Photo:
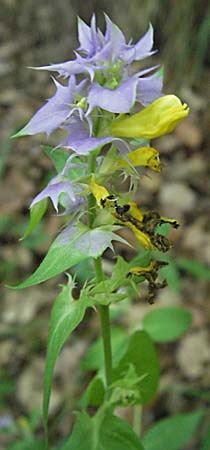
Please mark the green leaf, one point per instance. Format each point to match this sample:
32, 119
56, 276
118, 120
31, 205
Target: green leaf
126, 391
142, 259
160, 73
82, 435
142, 355
59, 159
116, 434
119, 273
118, 278
171, 274
73, 245
172, 433
94, 394
195, 268
206, 441
140, 142
94, 359
83, 271
66, 315
167, 324
57, 156
102, 432
200, 393
20, 133
36, 213
163, 229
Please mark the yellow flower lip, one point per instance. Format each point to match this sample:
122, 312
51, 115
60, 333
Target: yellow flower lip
160, 117
99, 192
143, 156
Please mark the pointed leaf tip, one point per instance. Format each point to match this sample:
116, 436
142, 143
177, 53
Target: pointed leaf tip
20, 133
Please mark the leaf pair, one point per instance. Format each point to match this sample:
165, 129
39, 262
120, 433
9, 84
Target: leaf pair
102, 432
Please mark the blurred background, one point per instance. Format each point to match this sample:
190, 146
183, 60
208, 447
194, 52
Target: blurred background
34, 33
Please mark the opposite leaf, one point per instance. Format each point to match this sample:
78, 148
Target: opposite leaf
57, 156
94, 394
172, 433
73, 245
66, 315
167, 324
102, 432
36, 213
142, 355
94, 359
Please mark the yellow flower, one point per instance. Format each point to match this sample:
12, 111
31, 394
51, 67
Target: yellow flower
160, 117
99, 192
150, 273
144, 224
135, 211
151, 269
143, 238
143, 156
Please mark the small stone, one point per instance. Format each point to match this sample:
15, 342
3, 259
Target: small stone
187, 169
189, 134
194, 238
193, 355
167, 144
21, 308
151, 183
196, 102
30, 386
7, 348
177, 199
166, 297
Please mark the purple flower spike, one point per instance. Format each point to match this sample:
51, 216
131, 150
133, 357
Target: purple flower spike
111, 87
98, 51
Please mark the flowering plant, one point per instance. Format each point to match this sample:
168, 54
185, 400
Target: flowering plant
104, 138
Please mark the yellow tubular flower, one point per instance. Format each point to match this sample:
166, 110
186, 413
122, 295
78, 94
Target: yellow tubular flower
135, 211
143, 156
150, 273
152, 268
99, 192
160, 117
143, 238
143, 224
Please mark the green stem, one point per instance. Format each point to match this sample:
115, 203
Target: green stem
102, 309
105, 327
106, 336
